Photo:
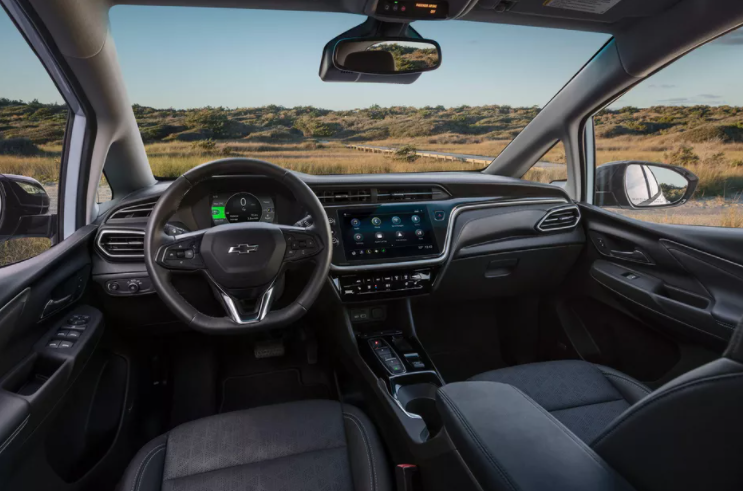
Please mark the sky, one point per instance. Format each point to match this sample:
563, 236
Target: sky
194, 57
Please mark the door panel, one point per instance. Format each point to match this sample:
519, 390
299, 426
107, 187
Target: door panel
650, 299
688, 279
36, 300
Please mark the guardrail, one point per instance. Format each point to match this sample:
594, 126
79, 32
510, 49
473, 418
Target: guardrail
475, 159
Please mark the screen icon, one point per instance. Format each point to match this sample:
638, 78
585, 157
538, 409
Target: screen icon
379, 235
416, 219
358, 237
399, 234
376, 221
396, 220
355, 222
419, 232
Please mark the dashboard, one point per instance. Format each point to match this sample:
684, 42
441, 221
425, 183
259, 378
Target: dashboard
455, 234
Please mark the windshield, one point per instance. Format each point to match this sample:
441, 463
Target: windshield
208, 83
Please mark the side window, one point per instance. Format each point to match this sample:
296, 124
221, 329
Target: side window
682, 131
33, 118
551, 168
104, 191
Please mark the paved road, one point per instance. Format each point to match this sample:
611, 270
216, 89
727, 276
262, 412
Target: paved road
475, 159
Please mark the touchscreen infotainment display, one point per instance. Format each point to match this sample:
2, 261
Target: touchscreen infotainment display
370, 234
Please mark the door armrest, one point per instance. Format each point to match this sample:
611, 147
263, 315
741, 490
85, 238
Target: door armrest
511, 443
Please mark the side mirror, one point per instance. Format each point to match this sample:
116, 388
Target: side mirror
386, 56
638, 185
24, 208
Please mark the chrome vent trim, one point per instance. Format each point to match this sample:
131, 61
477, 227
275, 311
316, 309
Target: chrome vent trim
561, 218
343, 196
121, 244
142, 210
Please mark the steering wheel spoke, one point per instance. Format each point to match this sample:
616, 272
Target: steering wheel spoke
301, 243
234, 306
183, 253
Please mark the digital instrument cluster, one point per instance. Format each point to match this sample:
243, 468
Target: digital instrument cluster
385, 233
242, 207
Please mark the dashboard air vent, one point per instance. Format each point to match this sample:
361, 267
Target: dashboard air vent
124, 244
559, 219
142, 210
385, 195
341, 196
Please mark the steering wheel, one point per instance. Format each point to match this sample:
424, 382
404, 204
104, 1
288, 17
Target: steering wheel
241, 261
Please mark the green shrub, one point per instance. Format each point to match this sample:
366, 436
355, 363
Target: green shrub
310, 126
210, 119
18, 146
205, 145
408, 153
683, 156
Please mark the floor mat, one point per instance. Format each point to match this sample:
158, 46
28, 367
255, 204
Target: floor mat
262, 389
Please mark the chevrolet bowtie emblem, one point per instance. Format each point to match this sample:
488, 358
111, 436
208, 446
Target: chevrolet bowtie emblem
243, 249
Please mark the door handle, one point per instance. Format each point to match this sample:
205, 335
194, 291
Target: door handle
53, 306
636, 255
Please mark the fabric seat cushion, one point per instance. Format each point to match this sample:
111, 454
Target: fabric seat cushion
309, 445
583, 396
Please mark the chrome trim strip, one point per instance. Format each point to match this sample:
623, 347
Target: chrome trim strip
258, 315
260, 312
113, 231
447, 240
557, 210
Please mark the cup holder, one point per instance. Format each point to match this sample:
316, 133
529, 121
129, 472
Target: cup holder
419, 399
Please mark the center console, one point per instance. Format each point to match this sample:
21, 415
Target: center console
387, 251
411, 378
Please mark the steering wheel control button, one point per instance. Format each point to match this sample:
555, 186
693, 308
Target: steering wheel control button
182, 255
439, 215
300, 246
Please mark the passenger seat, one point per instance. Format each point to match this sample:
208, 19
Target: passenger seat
582, 396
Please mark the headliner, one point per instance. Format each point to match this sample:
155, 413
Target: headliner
519, 12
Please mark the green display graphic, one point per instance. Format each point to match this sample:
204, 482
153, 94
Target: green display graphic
218, 213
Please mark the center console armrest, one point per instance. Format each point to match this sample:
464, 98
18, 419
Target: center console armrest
511, 443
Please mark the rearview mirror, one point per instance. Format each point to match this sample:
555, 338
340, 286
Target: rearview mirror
637, 185
386, 56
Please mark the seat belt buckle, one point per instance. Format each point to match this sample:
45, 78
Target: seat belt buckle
407, 477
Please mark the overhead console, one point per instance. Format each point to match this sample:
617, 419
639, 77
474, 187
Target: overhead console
408, 11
